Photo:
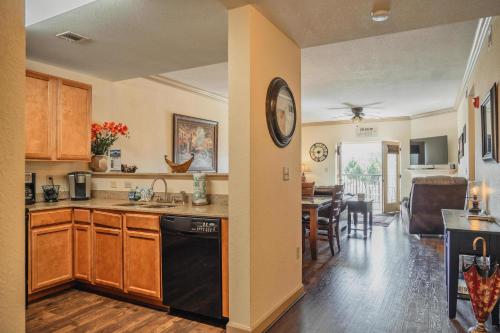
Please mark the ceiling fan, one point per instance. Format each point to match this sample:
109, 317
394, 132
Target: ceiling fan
357, 112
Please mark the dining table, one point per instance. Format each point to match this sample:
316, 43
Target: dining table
311, 206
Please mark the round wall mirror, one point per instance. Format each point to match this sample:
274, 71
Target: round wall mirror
280, 112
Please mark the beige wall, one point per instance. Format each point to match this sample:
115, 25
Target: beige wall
147, 108
485, 73
265, 269
324, 173
12, 64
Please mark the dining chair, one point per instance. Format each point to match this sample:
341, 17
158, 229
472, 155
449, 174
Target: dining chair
329, 224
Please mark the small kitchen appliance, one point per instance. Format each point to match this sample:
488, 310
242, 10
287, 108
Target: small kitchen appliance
79, 185
29, 188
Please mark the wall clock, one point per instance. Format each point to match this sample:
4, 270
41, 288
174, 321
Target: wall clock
318, 152
280, 112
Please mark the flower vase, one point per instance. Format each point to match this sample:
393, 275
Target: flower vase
99, 163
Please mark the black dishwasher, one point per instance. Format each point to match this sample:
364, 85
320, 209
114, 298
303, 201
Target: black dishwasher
191, 265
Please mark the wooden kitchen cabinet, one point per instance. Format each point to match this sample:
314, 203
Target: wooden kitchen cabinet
51, 255
73, 120
142, 255
107, 250
58, 118
39, 106
82, 243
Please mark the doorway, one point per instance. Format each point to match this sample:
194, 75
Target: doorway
391, 176
372, 168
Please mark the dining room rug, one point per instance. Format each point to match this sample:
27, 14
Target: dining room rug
384, 220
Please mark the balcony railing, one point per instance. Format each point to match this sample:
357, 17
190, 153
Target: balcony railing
371, 185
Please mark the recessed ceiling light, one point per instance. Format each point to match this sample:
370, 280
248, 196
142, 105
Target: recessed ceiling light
380, 15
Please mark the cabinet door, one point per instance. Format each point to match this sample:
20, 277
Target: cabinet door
39, 110
73, 120
83, 251
142, 263
51, 256
107, 257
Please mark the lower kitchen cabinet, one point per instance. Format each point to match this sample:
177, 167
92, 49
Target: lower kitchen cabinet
107, 257
142, 263
82, 251
51, 255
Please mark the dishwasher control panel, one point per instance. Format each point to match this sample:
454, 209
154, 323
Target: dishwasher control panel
204, 226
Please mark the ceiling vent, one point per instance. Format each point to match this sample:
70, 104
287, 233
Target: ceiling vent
72, 37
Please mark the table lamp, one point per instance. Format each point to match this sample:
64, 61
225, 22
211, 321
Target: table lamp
473, 196
305, 168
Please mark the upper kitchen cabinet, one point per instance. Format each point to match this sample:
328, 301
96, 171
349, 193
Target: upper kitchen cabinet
73, 120
58, 117
40, 103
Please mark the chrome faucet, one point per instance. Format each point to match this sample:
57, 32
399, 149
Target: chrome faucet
152, 189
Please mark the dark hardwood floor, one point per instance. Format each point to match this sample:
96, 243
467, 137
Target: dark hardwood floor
79, 311
391, 282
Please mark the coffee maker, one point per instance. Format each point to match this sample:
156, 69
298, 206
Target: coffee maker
29, 188
79, 185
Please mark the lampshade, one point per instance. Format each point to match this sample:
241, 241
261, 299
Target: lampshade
474, 189
305, 167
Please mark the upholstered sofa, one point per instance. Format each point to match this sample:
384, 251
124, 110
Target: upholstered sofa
421, 212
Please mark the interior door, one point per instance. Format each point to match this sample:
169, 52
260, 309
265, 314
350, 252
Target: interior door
391, 176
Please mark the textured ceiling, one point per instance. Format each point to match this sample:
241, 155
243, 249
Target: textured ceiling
37, 11
318, 22
132, 38
212, 78
409, 72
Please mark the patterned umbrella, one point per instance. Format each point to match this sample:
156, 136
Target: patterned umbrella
483, 284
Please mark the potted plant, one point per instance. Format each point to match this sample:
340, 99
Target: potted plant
103, 137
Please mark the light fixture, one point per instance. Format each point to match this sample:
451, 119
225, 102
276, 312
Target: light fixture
356, 119
380, 15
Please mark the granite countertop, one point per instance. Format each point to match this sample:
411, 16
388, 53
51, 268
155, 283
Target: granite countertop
212, 210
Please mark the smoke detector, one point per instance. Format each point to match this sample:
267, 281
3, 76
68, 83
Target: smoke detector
72, 37
380, 15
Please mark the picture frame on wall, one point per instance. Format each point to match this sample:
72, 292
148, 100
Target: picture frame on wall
195, 136
489, 125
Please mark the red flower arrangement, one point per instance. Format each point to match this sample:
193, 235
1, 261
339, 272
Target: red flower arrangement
105, 135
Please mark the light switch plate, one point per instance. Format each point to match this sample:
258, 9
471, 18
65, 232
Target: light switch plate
286, 174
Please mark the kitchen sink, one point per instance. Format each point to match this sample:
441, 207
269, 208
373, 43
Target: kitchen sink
159, 206
130, 204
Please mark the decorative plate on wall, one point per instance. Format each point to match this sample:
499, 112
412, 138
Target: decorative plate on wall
280, 112
318, 152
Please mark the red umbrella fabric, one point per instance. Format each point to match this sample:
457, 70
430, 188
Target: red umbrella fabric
484, 288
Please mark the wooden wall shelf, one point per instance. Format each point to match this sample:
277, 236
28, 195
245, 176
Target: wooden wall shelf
152, 175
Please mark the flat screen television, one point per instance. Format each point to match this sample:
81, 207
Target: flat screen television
429, 151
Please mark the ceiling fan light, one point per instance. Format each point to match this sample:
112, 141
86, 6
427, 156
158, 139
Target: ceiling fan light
356, 119
380, 15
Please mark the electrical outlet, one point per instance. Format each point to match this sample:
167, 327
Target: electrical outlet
127, 185
297, 254
113, 184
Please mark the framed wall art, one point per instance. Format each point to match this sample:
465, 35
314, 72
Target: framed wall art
489, 125
198, 137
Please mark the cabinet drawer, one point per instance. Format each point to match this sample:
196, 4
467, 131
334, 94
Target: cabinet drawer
39, 219
106, 219
81, 215
142, 221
